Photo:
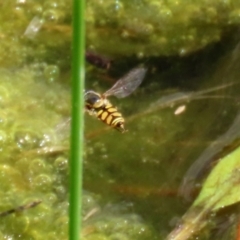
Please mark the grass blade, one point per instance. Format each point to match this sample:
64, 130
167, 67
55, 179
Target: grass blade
78, 52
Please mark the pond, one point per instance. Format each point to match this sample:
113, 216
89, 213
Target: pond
181, 120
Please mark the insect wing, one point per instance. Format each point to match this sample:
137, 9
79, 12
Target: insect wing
126, 85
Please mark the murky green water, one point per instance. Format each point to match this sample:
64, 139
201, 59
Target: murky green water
131, 180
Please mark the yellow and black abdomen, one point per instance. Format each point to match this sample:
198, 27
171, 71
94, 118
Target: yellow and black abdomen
110, 115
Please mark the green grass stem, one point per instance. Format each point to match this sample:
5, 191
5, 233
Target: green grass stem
78, 72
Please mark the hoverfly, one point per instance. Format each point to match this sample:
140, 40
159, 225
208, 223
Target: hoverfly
98, 104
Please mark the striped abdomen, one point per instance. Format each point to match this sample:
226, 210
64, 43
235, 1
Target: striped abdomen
110, 115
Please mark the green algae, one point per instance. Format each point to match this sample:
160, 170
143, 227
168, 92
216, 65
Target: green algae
156, 28
139, 28
26, 48
26, 178
35, 103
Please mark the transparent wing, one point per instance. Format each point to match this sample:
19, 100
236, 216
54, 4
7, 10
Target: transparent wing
127, 84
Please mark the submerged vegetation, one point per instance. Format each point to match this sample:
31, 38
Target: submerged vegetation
186, 113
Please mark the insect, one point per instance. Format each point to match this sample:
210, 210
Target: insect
98, 104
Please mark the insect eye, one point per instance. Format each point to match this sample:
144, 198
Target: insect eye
92, 98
